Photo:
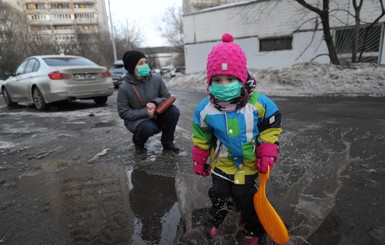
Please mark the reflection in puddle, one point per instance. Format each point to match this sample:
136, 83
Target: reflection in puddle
94, 207
113, 205
152, 199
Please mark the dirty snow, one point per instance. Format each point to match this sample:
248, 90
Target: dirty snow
306, 79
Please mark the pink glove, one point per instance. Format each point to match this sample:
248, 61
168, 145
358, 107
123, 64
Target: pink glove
267, 154
199, 158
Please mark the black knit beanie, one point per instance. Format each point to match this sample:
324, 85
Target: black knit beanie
130, 60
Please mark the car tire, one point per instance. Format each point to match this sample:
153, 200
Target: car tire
7, 98
38, 99
101, 100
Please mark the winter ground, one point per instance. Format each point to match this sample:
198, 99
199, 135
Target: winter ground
323, 218
307, 79
69, 175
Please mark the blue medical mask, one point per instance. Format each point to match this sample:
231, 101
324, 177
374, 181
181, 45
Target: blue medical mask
226, 92
144, 70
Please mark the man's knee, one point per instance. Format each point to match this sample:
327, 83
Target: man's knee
174, 111
147, 128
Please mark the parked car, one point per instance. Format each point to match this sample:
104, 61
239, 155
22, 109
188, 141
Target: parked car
44, 79
180, 69
170, 70
156, 71
117, 72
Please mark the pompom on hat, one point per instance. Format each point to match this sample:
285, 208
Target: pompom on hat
227, 58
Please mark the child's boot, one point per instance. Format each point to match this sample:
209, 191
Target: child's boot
213, 232
252, 240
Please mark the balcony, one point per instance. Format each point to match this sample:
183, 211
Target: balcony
202, 4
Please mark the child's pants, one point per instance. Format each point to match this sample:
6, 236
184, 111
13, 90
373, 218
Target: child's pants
242, 195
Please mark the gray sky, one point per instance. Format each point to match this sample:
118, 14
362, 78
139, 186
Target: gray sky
146, 13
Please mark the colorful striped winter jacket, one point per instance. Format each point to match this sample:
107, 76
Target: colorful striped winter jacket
232, 137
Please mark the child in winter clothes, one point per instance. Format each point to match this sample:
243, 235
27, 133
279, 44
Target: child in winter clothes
238, 128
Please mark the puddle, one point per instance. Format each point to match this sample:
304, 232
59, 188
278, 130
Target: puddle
97, 204
154, 205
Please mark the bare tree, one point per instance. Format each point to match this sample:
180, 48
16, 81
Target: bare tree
128, 37
172, 31
324, 16
13, 29
16, 41
357, 10
96, 47
172, 27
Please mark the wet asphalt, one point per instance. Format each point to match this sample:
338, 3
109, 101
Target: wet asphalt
70, 175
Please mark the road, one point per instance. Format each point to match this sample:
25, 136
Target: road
70, 175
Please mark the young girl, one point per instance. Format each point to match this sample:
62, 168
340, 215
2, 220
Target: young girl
238, 128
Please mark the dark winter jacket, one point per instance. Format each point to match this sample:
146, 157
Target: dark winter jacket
150, 88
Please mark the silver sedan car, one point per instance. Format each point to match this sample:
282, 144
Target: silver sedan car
44, 79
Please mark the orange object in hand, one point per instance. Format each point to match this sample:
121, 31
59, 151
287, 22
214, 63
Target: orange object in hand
164, 105
267, 215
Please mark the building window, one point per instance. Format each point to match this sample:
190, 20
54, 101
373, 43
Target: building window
85, 16
63, 27
275, 44
368, 40
83, 6
33, 6
45, 27
60, 5
38, 17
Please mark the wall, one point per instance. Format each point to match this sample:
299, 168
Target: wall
250, 21
196, 55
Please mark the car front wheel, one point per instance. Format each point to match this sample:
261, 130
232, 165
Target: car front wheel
38, 99
7, 98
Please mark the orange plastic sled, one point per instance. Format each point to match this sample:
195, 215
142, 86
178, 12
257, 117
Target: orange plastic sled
269, 218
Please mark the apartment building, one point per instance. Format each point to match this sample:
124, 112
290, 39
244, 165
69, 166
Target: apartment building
197, 5
63, 20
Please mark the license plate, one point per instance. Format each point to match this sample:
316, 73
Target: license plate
83, 77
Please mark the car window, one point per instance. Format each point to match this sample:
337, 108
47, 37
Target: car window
67, 61
118, 66
30, 66
21, 68
36, 66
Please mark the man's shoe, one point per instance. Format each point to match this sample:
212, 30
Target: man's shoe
140, 149
172, 147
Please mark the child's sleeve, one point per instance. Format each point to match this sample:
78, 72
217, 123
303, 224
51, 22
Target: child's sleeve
202, 135
269, 121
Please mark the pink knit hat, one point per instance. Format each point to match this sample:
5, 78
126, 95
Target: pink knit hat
227, 58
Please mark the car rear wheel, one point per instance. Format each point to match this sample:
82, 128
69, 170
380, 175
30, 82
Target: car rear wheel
7, 98
38, 99
101, 100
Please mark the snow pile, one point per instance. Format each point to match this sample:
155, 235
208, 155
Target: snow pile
307, 79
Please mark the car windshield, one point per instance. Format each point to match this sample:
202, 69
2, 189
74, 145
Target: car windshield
66, 61
118, 66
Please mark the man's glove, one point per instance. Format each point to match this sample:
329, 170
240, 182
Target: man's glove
199, 158
267, 154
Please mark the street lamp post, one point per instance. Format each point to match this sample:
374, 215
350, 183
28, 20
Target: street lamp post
112, 33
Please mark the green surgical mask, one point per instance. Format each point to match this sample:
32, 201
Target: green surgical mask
144, 70
226, 92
